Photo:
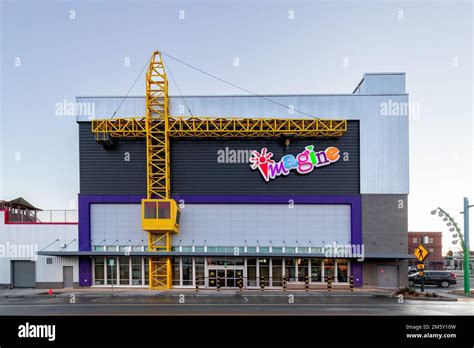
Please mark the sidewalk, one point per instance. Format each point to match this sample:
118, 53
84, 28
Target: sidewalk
146, 293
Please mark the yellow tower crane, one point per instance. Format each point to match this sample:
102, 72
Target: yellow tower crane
160, 213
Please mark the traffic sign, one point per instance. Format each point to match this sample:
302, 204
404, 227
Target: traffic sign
421, 266
421, 253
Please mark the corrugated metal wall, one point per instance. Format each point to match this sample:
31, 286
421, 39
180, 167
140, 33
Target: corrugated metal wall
224, 225
383, 135
31, 238
195, 168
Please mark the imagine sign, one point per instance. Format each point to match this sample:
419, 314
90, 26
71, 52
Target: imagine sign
304, 162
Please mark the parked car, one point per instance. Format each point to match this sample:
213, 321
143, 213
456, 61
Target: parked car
412, 269
440, 278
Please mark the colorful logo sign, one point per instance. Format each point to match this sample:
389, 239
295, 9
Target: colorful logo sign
304, 162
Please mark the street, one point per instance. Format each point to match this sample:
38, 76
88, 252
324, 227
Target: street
232, 305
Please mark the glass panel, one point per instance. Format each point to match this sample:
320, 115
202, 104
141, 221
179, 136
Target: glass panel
277, 249
199, 265
264, 265
264, 249
178, 216
316, 270
302, 249
230, 278
277, 267
111, 270
99, 274
136, 270
124, 270
290, 249
290, 269
251, 249
252, 272
187, 249
164, 210
302, 269
145, 262
187, 264
199, 249
99, 248
175, 270
212, 278
342, 270
150, 210
111, 247
328, 269
137, 248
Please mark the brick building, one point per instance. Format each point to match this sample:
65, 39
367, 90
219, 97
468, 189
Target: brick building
434, 244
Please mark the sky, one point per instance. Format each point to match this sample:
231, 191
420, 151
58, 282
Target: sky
53, 51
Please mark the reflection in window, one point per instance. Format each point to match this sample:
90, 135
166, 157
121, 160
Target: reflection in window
342, 270
302, 269
111, 270
136, 270
99, 272
124, 271
150, 210
164, 210
329, 268
290, 270
277, 269
175, 270
187, 264
252, 272
316, 270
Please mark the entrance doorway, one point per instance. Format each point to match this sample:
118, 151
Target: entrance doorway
225, 277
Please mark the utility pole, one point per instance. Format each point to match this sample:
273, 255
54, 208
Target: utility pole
467, 253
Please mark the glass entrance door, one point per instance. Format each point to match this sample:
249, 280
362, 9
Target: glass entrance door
227, 278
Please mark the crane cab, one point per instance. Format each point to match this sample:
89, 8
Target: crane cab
160, 215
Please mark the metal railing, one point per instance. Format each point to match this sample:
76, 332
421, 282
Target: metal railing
42, 216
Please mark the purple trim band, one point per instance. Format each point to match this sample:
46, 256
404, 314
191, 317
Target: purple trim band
85, 269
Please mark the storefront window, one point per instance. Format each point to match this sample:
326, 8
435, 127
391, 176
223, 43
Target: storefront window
316, 270
342, 270
302, 269
199, 265
252, 272
124, 269
329, 268
290, 270
111, 270
99, 273
277, 268
145, 263
264, 264
187, 265
136, 270
175, 270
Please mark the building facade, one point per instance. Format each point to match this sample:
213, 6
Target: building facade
433, 243
242, 222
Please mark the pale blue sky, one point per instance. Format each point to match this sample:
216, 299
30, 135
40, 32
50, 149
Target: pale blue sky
62, 58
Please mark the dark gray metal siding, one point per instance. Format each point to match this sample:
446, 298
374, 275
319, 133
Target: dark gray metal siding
106, 171
196, 171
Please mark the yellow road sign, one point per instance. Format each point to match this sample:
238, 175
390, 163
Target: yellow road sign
421, 266
421, 253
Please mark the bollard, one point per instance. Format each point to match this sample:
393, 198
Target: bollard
284, 283
262, 284
306, 283
241, 283
218, 283
351, 283
329, 282
197, 283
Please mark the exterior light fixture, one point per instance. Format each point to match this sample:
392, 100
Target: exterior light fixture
433, 212
448, 224
440, 214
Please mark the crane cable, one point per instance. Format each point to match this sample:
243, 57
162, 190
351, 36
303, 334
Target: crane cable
238, 87
133, 85
177, 87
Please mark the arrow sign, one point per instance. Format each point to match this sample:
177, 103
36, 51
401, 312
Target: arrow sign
421, 253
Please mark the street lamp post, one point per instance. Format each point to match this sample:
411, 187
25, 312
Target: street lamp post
467, 252
464, 240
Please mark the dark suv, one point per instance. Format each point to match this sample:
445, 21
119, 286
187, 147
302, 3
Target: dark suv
440, 278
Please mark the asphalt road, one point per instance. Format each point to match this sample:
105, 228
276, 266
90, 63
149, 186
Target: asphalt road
231, 305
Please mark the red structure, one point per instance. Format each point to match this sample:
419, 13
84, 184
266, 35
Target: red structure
434, 244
